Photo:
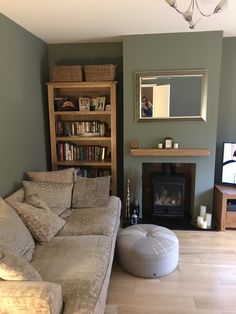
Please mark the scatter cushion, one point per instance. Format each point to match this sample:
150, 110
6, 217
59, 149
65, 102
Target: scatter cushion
40, 220
15, 197
35, 201
13, 267
56, 195
13, 233
91, 192
60, 176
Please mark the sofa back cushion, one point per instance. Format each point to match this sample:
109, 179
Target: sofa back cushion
13, 233
91, 192
56, 195
60, 176
14, 267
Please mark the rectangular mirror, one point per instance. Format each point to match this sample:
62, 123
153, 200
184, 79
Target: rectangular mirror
171, 95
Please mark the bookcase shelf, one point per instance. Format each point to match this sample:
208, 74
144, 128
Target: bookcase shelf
83, 138
102, 163
89, 145
83, 113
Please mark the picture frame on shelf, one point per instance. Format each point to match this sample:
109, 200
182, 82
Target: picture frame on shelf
108, 107
93, 104
84, 104
168, 143
65, 104
100, 105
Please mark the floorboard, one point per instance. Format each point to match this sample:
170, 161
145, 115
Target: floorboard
203, 283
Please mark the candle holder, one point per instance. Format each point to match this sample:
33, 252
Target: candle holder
194, 222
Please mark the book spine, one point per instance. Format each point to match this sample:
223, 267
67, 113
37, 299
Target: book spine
103, 153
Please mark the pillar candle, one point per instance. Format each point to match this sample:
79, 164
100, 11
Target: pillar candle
208, 219
203, 211
199, 220
204, 224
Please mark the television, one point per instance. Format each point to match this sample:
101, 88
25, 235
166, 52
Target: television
229, 164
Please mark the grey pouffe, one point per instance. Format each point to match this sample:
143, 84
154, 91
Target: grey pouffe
147, 250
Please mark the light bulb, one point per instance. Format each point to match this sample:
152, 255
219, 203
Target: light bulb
188, 16
172, 3
220, 6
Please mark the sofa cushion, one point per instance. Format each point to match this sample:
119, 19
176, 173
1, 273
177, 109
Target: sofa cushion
13, 233
91, 192
60, 176
30, 297
36, 201
41, 221
56, 195
66, 213
93, 221
13, 267
79, 265
16, 197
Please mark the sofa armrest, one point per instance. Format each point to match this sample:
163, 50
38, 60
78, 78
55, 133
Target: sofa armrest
30, 297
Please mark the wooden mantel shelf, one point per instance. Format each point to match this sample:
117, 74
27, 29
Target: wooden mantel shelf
180, 152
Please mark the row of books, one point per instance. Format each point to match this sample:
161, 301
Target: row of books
92, 173
72, 152
70, 128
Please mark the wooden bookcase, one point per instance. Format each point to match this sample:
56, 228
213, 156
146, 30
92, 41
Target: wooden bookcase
79, 90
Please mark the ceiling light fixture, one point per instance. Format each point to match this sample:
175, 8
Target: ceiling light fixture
194, 8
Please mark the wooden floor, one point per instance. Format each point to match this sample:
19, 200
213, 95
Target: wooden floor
203, 283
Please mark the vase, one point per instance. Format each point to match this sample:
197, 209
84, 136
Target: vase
134, 206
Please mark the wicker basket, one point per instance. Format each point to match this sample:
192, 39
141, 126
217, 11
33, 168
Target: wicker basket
96, 73
63, 73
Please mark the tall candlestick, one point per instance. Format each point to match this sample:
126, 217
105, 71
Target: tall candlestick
127, 203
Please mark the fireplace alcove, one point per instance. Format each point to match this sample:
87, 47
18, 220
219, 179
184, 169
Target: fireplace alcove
168, 191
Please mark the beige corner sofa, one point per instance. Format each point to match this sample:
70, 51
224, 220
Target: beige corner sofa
75, 265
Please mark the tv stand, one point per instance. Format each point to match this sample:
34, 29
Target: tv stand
223, 215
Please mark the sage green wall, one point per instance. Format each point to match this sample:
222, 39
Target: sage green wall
227, 101
85, 53
23, 64
174, 51
96, 53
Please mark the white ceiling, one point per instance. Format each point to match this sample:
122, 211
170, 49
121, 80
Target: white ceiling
69, 21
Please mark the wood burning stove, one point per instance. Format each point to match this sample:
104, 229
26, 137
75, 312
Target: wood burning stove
169, 193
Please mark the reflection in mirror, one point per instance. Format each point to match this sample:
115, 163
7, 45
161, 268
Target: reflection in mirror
169, 95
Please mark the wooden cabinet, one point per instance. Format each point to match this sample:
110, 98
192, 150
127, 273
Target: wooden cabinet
107, 141
223, 217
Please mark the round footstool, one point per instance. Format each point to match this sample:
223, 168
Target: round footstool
147, 250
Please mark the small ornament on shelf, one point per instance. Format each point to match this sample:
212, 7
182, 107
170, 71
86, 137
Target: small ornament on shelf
134, 144
168, 143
